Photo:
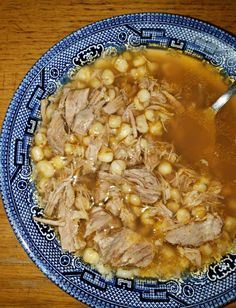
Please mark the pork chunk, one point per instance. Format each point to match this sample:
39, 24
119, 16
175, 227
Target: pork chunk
114, 105
125, 248
82, 121
99, 220
76, 101
63, 193
74, 107
193, 255
68, 231
93, 149
196, 233
145, 182
56, 133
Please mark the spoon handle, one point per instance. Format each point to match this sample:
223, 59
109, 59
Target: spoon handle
223, 99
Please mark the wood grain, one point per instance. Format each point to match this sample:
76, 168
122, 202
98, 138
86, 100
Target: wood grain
27, 29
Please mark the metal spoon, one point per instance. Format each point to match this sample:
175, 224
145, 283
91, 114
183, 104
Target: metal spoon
194, 131
223, 99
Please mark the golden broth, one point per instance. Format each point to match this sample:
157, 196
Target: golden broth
196, 85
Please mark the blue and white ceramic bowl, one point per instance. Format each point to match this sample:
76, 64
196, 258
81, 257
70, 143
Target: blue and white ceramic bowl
213, 288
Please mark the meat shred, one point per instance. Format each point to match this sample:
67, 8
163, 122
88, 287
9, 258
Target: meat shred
113, 185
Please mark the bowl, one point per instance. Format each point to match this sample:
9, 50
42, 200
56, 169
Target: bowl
212, 288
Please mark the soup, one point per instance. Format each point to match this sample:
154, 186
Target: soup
123, 189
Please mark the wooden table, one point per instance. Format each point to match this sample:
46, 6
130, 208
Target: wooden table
27, 29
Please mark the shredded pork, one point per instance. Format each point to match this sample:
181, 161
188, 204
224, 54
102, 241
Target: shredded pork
196, 233
117, 190
125, 248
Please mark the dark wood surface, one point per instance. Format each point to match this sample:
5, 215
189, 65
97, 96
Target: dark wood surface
27, 29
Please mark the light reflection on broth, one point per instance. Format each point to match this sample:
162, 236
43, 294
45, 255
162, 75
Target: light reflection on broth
207, 83
123, 196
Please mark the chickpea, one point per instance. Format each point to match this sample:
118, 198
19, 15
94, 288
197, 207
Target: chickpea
141, 71
124, 273
113, 141
86, 140
126, 188
69, 148
37, 153
100, 63
199, 211
79, 151
172, 206
127, 55
138, 105
118, 166
105, 155
139, 60
143, 143
129, 140
144, 95
155, 128
137, 210
175, 194
91, 256
114, 121
165, 168
134, 73
134, 199
84, 74
96, 129
146, 217
111, 94
121, 65
124, 131
108, 77
47, 152
126, 198
95, 83
160, 226
58, 162
142, 125
114, 131
150, 115
205, 180
42, 130
40, 139
183, 216
72, 138
199, 186
45, 168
